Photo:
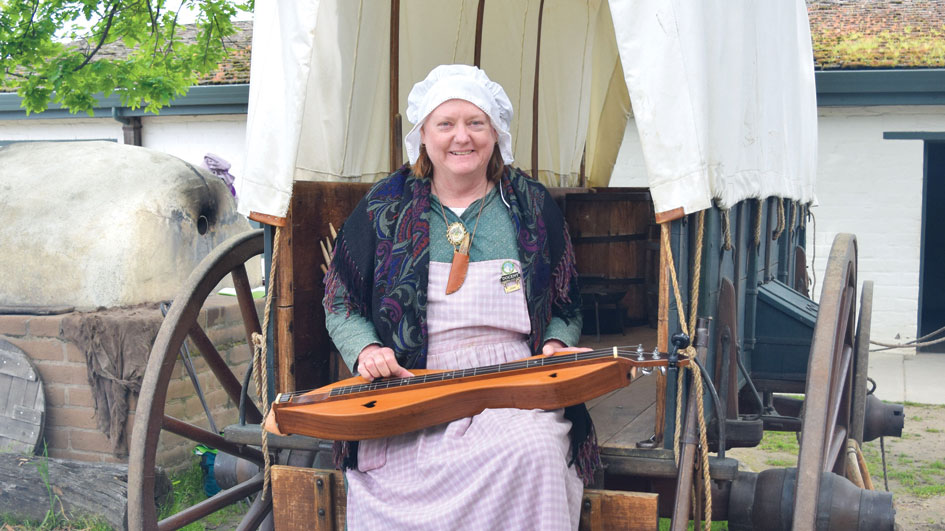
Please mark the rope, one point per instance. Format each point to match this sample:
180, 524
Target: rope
726, 230
795, 206
758, 225
916, 343
882, 451
813, 259
696, 272
690, 351
781, 224
260, 364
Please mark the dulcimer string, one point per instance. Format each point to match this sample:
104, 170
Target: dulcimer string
388, 383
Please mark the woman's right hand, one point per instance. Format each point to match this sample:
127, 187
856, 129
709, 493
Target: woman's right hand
376, 361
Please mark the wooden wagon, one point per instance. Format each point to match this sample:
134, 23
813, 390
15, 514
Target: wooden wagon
719, 232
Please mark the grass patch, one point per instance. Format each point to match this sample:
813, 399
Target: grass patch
665, 524
188, 491
83, 523
917, 404
928, 491
780, 441
933, 430
781, 463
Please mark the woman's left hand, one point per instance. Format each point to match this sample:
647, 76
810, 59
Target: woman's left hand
553, 346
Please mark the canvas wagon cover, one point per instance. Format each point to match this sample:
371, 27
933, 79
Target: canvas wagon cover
722, 91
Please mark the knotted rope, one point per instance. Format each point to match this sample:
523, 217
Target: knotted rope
690, 351
260, 360
726, 229
758, 224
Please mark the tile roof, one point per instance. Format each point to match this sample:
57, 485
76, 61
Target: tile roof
234, 70
863, 34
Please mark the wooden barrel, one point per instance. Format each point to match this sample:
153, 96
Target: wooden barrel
611, 229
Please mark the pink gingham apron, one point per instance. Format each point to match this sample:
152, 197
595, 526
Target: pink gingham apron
501, 469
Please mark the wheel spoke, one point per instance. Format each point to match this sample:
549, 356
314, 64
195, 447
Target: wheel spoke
258, 512
837, 402
244, 294
213, 504
200, 435
835, 449
223, 373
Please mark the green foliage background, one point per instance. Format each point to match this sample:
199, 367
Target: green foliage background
49, 49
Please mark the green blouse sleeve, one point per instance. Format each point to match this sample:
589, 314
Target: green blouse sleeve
350, 332
567, 332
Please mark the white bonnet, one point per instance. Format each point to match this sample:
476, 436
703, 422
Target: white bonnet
463, 82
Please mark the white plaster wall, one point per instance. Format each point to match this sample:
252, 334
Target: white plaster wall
61, 129
186, 137
872, 187
866, 185
191, 137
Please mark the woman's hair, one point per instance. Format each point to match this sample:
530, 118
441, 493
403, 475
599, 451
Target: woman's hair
424, 166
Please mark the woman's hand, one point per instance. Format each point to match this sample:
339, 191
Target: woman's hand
553, 346
376, 361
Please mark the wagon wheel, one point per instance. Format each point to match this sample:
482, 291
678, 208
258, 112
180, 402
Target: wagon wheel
829, 393
229, 258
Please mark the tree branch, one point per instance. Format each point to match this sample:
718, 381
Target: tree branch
101, 41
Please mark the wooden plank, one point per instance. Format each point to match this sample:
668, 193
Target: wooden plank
16, 435
610, 509
17, 391
615, 413
27, 415
13, 363
324, 507
639, 429
296, 498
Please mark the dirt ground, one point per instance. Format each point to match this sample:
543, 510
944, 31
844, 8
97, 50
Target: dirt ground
915, 465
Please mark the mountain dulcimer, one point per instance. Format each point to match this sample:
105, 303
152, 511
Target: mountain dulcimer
356, 409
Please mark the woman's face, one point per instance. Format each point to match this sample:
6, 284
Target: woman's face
459, 140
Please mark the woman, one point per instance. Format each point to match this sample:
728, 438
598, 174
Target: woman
460, 261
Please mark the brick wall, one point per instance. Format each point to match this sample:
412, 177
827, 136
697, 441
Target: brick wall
71, 430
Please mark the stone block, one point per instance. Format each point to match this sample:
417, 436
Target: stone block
73, 353
13, 325
63, 373
41, 348
55, 437
71, 417
55, 394
90, 441
45, 326
80, 396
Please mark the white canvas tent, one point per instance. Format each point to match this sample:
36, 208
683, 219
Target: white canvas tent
722, 91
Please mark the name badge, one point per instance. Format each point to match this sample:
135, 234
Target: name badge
511, 279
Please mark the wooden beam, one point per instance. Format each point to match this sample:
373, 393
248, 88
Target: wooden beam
534, 172
477, 54
396, 132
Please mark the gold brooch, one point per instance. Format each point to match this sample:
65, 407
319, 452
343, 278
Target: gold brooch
456, 233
